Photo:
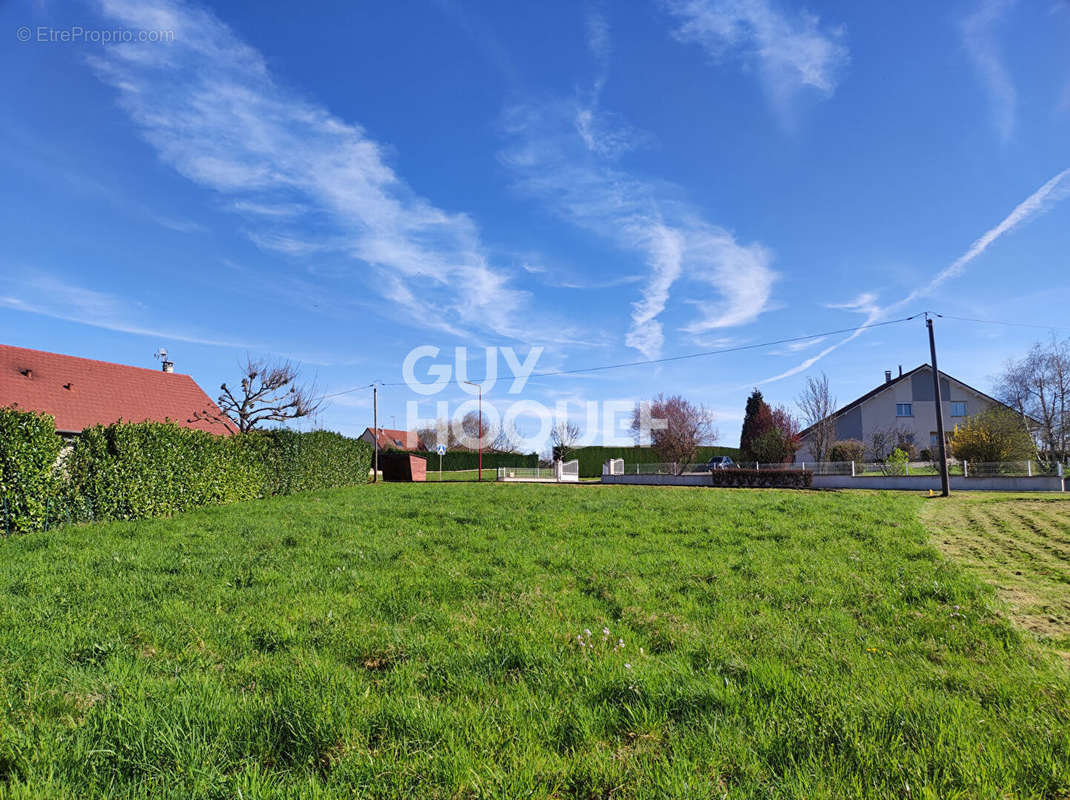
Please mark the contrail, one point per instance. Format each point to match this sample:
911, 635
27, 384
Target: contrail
1041, 201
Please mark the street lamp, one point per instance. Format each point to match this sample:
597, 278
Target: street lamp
480, 387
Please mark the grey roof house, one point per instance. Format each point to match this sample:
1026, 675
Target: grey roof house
905, 403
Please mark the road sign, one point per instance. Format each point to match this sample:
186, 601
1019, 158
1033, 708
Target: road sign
441, 449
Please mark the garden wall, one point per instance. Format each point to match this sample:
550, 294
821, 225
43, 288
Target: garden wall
922, 483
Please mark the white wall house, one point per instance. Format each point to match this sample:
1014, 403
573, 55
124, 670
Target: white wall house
905, 403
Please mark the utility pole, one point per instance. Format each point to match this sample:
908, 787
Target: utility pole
375, 432
480, 387
945, 481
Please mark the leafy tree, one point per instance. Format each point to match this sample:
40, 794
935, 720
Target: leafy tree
779, 444
757, 420
996, 434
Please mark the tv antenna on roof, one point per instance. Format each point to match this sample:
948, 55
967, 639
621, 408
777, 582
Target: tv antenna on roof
161, 356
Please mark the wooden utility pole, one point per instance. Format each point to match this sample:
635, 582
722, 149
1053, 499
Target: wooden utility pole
945, 480
375, 432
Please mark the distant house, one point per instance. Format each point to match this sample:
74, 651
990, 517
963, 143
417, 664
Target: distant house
393, 440
905, 403
81, 392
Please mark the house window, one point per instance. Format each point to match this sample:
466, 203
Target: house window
958, 408
934, 439
904, 409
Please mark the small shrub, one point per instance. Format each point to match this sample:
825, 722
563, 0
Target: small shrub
847, 450
896, 463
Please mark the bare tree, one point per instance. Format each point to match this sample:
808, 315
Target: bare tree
817, 406
563, 438
505, 440
1038, 387
679, 428
268, 392
883, 441
440, 433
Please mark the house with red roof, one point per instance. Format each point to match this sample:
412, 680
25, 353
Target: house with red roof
81, 392
390, 439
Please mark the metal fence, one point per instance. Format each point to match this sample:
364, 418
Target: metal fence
969, 469
538, 473
865, 468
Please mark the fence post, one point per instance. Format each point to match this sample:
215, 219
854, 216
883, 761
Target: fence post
908, 468
1059, 469
756, 468
852, 469
1029, 467
965, 469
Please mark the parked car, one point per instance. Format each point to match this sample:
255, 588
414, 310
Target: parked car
720, 462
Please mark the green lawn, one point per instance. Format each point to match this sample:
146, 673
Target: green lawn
1021, 545
434, 475
413, 641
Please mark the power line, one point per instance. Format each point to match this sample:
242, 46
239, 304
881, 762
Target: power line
1010, 324
668, 359
723, 350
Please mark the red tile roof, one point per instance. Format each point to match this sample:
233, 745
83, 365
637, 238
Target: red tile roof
80, 392
390, 439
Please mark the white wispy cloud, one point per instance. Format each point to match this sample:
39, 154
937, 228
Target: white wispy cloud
792, 52
552, 163
979, 38
565, 154
1039, 202
210, 107
44, 294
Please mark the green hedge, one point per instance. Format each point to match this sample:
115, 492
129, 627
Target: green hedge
29, 448
467, 459
592, 458
146, 469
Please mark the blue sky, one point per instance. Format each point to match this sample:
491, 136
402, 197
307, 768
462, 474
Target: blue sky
609, 181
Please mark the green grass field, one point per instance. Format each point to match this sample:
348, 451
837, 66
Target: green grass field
417, 641
433, 475
1019, 544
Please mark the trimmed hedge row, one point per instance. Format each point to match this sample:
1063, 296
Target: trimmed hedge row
468, 459
592, 458
146, 469
763, 479
29, 448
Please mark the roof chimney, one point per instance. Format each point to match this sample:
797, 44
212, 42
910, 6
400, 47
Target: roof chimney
887, 376
27, 372
168, 366
900, 370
